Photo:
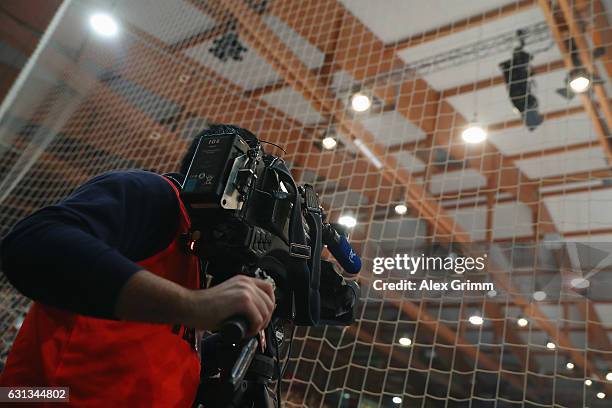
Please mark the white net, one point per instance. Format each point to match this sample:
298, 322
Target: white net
535, 201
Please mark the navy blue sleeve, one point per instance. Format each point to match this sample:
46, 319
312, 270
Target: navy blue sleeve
78, 254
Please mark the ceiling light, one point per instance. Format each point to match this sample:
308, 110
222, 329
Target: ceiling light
551, 346
103, 24
405, 341
601, 395
579, 81
347, 220
329, 143
476, 320
474, 133
570, 366
368, 153
492, 293
397, 400
609, 376
360, 102
522, 322
588, 382
539, 295
401, 209
580, 283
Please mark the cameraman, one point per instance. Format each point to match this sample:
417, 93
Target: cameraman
117, 293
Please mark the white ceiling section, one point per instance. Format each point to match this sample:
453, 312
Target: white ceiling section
452, 181
390, 128
552, 133
410, 162
563, 163
253, 71
293, 104
512, 219
509, 220
394, 20
484, 67
158, 18
581, 211
472, 219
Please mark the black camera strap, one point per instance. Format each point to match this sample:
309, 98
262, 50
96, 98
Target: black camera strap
305, 258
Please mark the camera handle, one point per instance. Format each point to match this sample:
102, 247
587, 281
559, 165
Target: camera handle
234, 329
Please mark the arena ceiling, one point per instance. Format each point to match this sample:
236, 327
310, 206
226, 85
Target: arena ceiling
304, 61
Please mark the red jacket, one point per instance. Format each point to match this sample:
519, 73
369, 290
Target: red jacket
108, 363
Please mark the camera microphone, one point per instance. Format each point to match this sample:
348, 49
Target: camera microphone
341, 249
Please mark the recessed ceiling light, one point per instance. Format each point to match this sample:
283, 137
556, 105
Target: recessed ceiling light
476, 320
360, 102
348, 221
601, 395
539, 295
492, 293
580, 283
329, 143
570, 366
103, 24
405, 341
579, 80
401, 209
609, 376
522, 322
588, 382
474, 133
551, 346
397, 400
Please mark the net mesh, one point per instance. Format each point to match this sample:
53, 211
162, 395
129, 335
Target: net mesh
535, 201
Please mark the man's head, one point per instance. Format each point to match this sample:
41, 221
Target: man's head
215, 129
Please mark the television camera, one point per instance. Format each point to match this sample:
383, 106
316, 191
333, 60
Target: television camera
250, 217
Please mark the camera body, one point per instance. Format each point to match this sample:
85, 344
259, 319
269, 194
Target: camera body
248, 214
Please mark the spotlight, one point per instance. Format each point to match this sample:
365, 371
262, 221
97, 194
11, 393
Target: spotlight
609, 376
474, 133
397, 400
601, 395
522, 322
360, 102
539, 295
405, 341
103, 24
329, 143
517, 76
348, 221
401, 209
550, 345
588, 382
570, 366
579, 80
476, 320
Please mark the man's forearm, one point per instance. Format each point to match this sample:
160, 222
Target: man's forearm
146, 297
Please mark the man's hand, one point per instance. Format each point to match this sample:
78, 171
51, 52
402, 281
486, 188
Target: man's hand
241, 295
149, 298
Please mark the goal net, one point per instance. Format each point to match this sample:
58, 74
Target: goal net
442, 133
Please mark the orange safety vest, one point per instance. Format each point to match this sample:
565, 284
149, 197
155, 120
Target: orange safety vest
108, 363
